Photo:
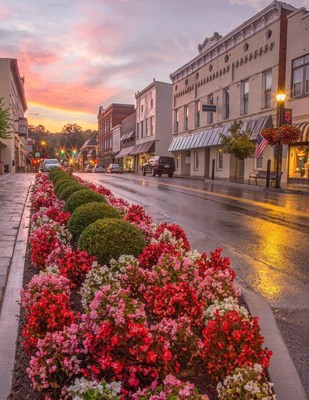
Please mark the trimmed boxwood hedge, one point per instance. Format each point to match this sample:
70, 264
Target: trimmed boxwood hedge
65, 192
110, 238
63, 183
87, 214
82, 197
56, 174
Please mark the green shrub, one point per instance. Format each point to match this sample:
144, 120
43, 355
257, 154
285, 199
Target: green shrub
54, 172
110, 238
55, 175
81, 197
63, 183
65, 192
87, 214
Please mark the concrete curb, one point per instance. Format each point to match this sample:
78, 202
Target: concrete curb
11, 309
282, 371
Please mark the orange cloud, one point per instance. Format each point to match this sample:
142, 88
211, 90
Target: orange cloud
54, 119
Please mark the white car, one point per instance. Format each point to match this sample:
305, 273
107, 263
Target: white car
50, 163
98, 168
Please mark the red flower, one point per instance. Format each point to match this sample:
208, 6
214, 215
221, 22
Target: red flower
284, 134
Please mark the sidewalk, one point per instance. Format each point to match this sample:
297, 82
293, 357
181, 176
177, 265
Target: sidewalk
14, 224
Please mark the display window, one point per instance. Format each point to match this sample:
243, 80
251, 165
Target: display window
299, 161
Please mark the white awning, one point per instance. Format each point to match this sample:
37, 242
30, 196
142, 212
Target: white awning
211, 137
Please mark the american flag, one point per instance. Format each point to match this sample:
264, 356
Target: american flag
261, 143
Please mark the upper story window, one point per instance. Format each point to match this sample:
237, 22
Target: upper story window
244, 97
226, 103
210, 115
151, 103
267, 82
152, 125
186, 117
300, 76
197, 113
176, 121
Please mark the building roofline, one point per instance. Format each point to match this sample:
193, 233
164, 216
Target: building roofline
103, 110
153, 83
19, 82
275, 5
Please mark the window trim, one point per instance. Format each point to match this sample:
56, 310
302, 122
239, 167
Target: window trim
267, 91
226, 104
220, 160
244, 110
300, 63
195, 160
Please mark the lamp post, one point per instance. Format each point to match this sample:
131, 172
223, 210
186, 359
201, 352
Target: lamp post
278, 148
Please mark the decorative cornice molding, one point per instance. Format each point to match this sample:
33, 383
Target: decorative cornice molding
216, 45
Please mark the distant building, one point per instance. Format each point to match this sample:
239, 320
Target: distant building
235, 77
127, 143
153, 122
88, 153
297, 89
12, 151
108, 118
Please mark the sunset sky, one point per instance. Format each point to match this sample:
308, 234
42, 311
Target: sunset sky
78, 55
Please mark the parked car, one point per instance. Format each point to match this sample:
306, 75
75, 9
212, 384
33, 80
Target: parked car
49, 163
114, 168
88, 168
99, 168
159, 165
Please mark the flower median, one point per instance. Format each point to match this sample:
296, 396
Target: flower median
143, 323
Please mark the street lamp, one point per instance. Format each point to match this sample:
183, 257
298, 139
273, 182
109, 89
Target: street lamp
278, 148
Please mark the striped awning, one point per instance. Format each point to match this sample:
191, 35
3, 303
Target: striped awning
125, 152
147, 147
304, 127
211, 137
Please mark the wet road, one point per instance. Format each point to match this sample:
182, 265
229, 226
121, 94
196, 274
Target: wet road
265, 234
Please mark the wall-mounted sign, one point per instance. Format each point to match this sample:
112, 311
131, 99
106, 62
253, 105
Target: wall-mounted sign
23, 127
209, 107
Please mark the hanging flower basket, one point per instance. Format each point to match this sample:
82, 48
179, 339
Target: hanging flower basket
284, 134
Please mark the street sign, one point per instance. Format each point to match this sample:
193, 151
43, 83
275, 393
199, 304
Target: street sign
23, 127
209, 107
37, 154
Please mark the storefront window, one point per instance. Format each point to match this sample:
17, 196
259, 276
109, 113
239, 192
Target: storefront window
299, 162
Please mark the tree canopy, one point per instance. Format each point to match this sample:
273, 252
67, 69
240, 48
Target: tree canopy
238, 143
4, 121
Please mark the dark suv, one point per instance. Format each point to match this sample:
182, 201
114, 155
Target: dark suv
159, 165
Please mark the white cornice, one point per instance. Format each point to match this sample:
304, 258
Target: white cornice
220, 46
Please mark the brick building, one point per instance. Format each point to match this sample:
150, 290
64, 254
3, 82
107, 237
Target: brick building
109, 118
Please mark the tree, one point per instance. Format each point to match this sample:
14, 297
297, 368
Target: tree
4, 121
238, 143
72, 136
